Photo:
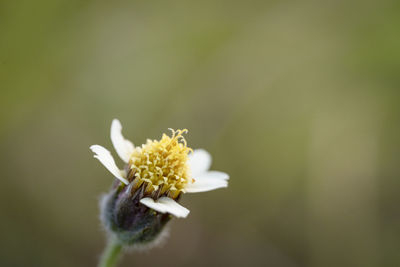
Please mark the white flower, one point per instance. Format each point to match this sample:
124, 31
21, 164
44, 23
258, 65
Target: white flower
163, 169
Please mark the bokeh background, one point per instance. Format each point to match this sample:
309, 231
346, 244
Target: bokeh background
297, 100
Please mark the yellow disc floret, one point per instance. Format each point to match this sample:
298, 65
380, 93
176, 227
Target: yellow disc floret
161, 166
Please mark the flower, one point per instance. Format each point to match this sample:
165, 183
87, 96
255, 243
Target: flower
154, 178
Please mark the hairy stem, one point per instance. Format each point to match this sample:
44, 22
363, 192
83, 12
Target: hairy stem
111, 254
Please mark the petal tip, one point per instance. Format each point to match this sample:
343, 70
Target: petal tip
116, 122
123, 146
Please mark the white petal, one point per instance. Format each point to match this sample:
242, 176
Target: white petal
199, 162
166, 205
149, 202
173, 207
212, 175
205, 184
105, 157
123, 147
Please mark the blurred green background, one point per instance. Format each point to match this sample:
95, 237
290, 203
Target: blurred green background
297, 100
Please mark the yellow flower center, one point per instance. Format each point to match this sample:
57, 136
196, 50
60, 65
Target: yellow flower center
161, 166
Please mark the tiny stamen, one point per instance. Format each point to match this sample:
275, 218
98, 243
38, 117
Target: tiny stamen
161, 166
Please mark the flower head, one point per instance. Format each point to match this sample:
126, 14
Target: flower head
150, 185
161, 165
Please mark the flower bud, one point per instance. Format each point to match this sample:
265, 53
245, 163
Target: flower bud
127, 219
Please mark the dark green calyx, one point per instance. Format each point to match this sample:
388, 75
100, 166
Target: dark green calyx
130, 221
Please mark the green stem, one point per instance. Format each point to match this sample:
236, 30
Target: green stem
111, 253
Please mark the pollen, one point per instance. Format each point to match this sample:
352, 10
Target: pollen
160, 167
